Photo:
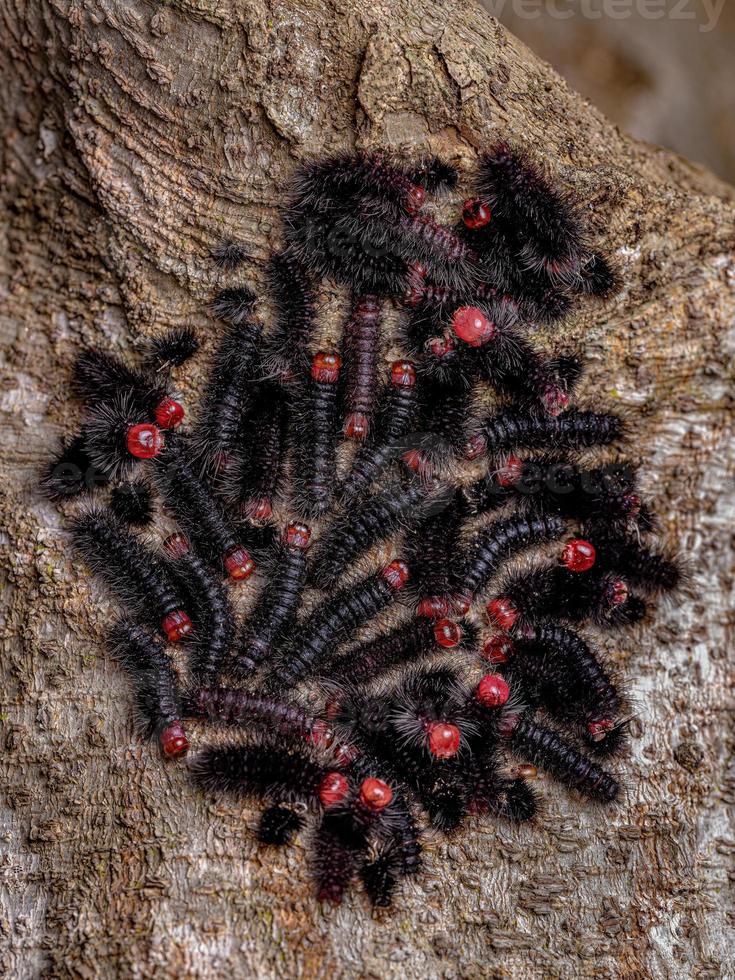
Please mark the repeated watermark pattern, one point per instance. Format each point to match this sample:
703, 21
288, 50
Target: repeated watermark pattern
537, 478
704, 13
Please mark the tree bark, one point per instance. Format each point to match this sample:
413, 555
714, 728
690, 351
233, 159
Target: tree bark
137, 135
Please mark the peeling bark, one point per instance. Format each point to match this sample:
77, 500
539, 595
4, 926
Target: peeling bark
137, 135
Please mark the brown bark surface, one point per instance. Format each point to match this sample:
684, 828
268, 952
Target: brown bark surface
136, 136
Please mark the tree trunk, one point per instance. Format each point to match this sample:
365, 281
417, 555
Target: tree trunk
137, 136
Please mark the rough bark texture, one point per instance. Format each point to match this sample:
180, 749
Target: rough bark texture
137, 135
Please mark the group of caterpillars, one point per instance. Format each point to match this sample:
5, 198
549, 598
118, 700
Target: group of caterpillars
424, 672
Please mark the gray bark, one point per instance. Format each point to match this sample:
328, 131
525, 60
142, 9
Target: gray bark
137, 136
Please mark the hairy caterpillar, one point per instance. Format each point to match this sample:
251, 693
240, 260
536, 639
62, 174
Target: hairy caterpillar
229, 255
550, 751
336, 619
488, 548
292, 291
264, 769
132, 503
522, 429
318, 435
360, 352
571, 683
553, 591
403, 645
253, 479
430, 549
211, 606
171, 349
117, 435
157, 698
199, 513
229, 392
545, 221
396, 418
351, 536
556, 484
131, 571
278, 605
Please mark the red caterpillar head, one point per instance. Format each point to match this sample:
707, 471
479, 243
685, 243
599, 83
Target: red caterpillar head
472, 326
325, 367
375, 795
617, 592
320, 734
447, 634
510, 472
396, 574
502, 612
402, 374
497, 649
415, 199
443, 739
176, 625
492, 691
356, 425
297, 536
333, 789
419, 463
416, 275
169, 413
238, 563
578, 555
173, 740
434, 607
476, 213
599, 728
259, 509
462, 603
144, 441
555, 400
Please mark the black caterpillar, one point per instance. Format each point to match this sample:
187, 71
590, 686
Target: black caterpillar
210, 603
229, 393
133, 572
397, 416
406, 644
352, 698
360, 355
157, 695
336, 620
277, 608
317, 435
380, 516
198, 512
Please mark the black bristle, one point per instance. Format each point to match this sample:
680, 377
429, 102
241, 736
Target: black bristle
132, 503
233, 305
228, 255
171, 349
